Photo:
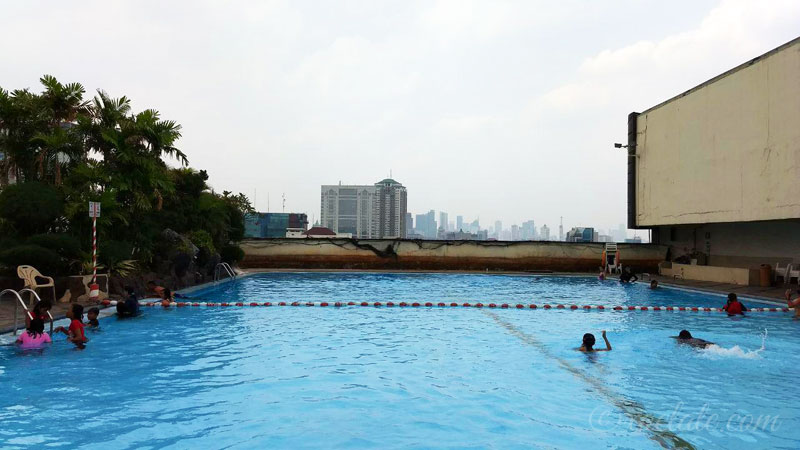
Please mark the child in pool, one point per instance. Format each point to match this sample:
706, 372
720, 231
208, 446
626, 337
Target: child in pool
166, 298
588, 344
734, 306
34, 336
41, 310
91, 317
793, 303
685, 337
75, 333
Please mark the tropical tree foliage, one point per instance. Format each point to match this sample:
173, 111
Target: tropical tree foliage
59, 150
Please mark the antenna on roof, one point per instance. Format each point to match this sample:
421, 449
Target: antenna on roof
283, 206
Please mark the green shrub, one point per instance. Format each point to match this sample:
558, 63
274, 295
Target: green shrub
43, 259
202, 239
31, 207
231, 253
67, 246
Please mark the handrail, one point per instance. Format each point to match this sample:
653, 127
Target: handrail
16, 294
228, 269
38, 299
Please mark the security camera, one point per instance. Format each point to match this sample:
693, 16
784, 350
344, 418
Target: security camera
617, 145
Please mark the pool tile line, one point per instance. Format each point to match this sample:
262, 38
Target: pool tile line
631, 408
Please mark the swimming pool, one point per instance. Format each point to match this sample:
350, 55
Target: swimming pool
289, 377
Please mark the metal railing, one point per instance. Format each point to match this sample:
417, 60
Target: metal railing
20, 302
228, 269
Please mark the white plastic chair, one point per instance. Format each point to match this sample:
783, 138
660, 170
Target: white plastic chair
781, 272
791, 273
31, 277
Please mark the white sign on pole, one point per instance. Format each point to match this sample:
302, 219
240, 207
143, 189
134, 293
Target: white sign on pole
94, 209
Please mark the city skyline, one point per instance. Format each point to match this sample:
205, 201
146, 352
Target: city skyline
406, 89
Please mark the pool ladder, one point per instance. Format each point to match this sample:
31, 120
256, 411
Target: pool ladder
19, 303
228, 270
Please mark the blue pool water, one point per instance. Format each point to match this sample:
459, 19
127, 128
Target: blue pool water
283, 377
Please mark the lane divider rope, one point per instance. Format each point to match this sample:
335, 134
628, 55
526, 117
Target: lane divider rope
390, 304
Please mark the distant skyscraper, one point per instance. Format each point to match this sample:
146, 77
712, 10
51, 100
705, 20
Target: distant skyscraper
528, 231
459, 223
443, 222
426, 225
545, 233
366, 212
349, 209
409, 224
515, 234
474, 227
561, 230
498, 229
390, 209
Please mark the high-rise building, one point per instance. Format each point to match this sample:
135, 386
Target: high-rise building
349, 209
498, 229
365, 211
390, 209
515, 234
561, 230
426, 225
544, 234
528, 231
459, 223
443, 222
409, 224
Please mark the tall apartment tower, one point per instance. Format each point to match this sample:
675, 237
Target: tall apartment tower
443, 221
390, 209
348, 209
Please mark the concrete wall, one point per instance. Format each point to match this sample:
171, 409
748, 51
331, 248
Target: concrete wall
746, 244
441, 255
725, 151
730, 275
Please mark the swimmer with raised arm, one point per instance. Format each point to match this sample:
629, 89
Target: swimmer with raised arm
684, 337
588, 344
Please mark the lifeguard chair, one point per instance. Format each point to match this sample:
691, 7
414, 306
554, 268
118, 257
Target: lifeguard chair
611, 262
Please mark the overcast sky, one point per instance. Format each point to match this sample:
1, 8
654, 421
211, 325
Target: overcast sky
490, 109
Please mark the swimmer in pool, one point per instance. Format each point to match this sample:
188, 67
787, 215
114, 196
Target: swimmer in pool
588, 344
793, 303
734, 306
653, 284
166, 298
684, 337
602, 275
627, 276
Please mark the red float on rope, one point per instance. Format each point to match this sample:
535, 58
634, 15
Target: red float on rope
415, 304
267, 304
587, 307
479, 305
337, 304
560, 307
453, 304
376, 304
644, 308
323, 304
520, 306
618, 308
466, 305
573, 307
504, 305
403, 304
106, 302
695, 309
282, 304
195, 304
631, 308
351, 303
428, 304
547, 306
389, 304
440, 304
